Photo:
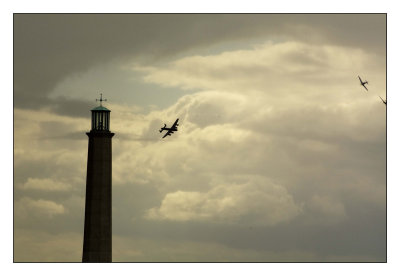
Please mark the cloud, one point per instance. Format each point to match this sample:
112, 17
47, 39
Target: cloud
129, 249
26, 207
252, 139
71, 44
326, 207
45, 184
272, 66
264, 203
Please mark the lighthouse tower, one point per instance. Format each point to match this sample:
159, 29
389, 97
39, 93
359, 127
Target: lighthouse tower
97, 233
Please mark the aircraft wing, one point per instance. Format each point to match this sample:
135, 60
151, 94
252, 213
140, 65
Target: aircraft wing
176, 122
168, 133
360, 79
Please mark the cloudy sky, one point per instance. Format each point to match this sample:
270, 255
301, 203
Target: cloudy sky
280, 154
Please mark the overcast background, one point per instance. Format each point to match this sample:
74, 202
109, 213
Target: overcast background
280, 154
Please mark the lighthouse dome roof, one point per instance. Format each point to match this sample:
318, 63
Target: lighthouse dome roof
100, 108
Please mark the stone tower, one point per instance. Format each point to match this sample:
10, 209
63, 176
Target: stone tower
97, 234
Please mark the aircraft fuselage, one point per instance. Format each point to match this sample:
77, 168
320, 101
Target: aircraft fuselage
168, 128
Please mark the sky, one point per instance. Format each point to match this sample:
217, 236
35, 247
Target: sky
280, 154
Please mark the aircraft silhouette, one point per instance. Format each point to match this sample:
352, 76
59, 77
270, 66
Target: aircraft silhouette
382, 100
170, 130
363, 83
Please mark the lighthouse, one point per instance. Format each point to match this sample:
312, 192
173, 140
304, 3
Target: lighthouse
97, 242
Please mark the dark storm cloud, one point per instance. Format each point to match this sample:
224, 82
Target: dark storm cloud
50, 47
70, 107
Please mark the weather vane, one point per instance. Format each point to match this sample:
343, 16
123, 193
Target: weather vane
101, 99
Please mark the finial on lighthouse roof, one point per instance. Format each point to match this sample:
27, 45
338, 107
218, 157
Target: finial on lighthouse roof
101, 99
101, 107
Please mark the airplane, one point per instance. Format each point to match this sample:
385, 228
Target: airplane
382, 100
171, 129
363, 83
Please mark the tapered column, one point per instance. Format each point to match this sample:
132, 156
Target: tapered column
97, 243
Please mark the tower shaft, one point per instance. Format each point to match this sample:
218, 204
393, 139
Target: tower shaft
97, 243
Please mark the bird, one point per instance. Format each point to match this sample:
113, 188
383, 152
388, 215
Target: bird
363, 83
382, 100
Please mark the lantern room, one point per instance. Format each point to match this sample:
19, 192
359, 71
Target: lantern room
100, 119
